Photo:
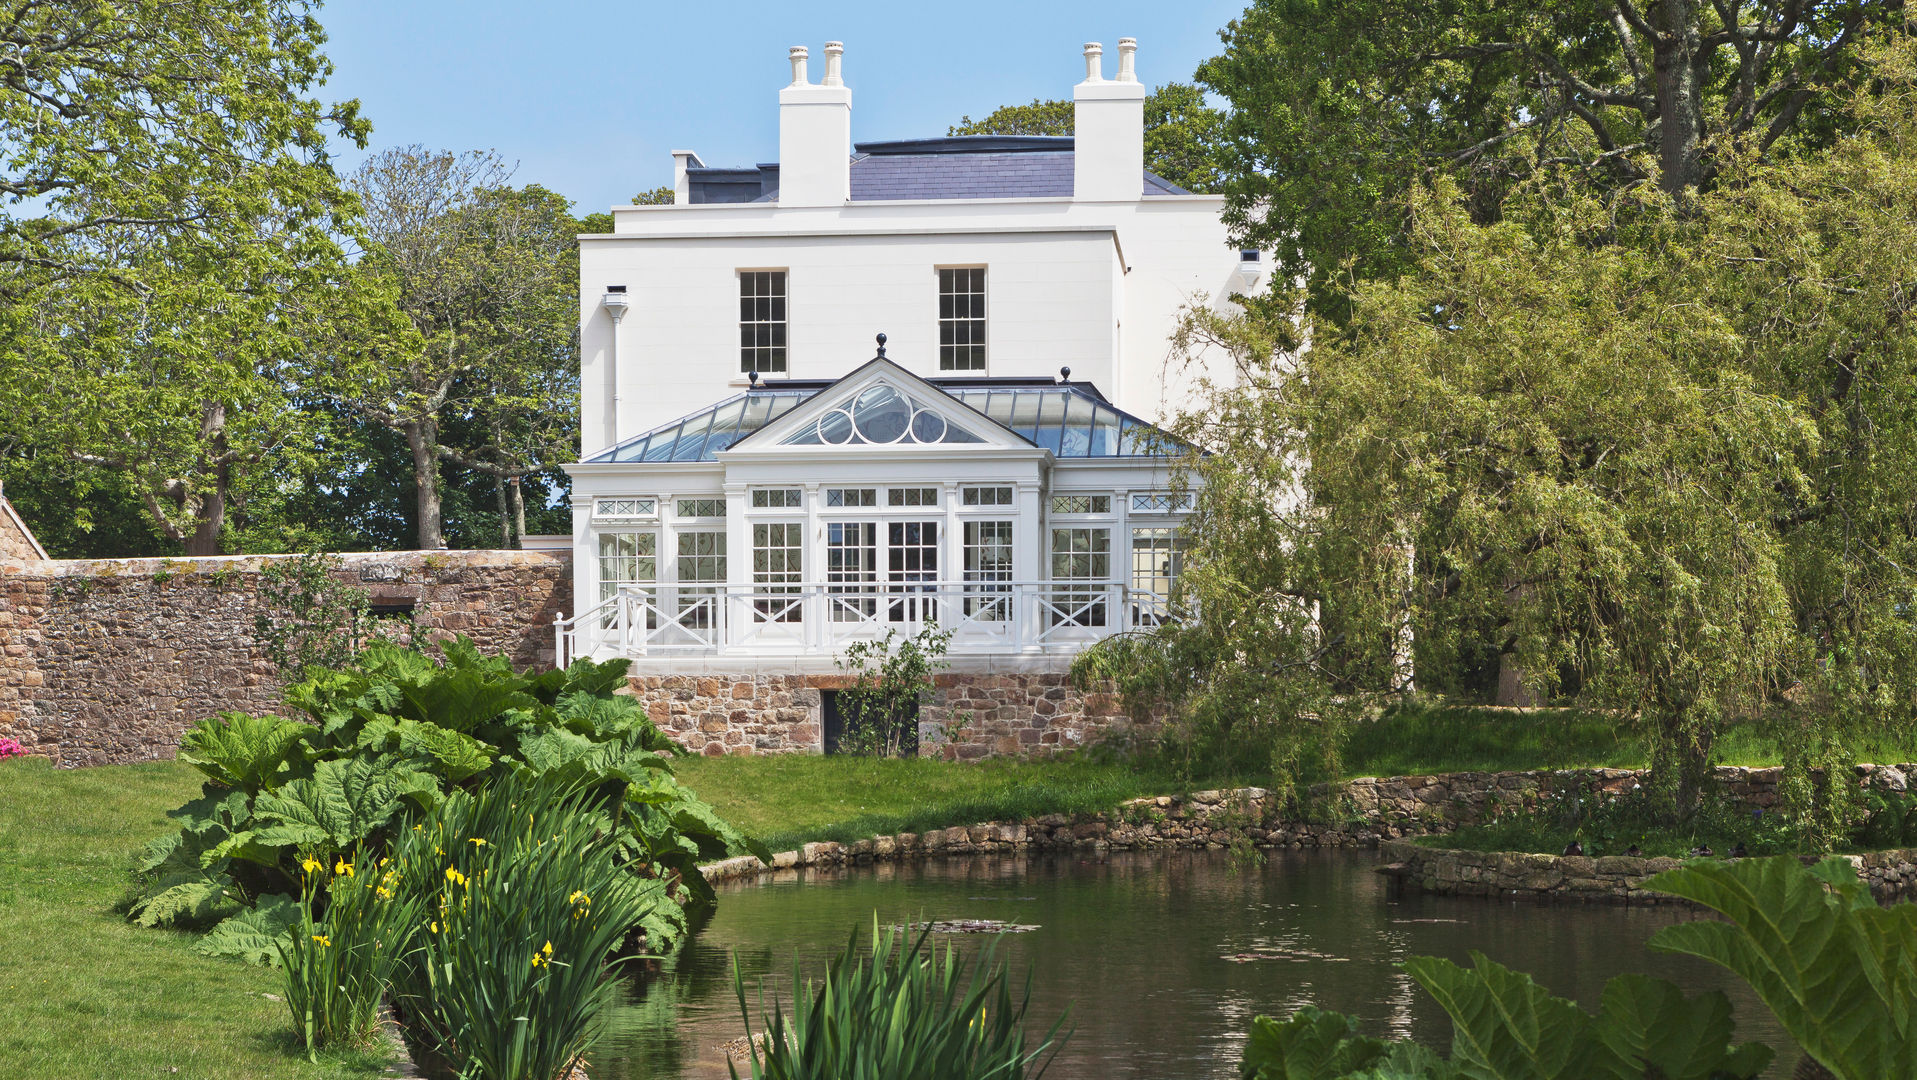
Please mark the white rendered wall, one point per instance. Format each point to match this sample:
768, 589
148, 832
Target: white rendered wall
1096, 286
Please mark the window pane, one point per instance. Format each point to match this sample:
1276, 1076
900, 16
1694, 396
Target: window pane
962, 319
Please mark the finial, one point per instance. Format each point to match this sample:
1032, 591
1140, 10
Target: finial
881, 346
1065, 374
752, 377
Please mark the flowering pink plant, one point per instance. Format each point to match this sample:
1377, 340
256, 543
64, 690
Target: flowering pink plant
11, 748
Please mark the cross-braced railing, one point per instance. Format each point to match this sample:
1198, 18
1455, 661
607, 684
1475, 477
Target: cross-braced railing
984, 617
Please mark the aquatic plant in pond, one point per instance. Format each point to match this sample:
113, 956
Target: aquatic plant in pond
1838, 973
899, 1010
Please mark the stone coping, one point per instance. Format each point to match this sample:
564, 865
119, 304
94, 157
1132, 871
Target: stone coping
188, 564
1614, 879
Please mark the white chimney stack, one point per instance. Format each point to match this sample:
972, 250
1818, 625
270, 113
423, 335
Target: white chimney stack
1108, 159
815, 134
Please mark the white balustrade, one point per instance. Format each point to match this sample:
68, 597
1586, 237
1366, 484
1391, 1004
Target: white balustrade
997, 618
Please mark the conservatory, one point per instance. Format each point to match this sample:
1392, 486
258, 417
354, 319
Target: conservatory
1027, 517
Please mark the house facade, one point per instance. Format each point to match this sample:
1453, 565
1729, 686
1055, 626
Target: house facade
880, 386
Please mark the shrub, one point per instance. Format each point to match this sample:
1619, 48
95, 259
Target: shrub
899, 1012
526, 894
891, 676
338, 969
11, 748
393, 734
1837, 971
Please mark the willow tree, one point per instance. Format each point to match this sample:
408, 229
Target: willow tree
1667, 448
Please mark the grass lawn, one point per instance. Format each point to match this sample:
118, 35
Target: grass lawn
88, 994
792, 799
1414, 741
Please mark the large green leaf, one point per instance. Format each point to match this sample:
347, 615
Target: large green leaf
1504, 1026
256, 934
1833, 968
462, 699
1650, 1025
455, 755
196, 902
1310, 1045
342, 803
242, 751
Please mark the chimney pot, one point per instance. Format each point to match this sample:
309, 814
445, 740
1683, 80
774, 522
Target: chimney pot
1127, 48
834, 53
1094, 62
797, 55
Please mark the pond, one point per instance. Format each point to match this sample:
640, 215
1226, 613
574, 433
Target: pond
1163, 958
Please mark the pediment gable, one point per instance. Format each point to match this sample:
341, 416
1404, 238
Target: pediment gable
883, 405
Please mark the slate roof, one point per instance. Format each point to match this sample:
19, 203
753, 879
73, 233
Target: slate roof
955, 167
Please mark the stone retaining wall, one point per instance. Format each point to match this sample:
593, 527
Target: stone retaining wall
1510, 875
1205, 819
1368, 812
968, 716
109, 660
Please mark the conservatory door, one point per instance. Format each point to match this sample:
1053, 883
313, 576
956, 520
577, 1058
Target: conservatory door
912, 571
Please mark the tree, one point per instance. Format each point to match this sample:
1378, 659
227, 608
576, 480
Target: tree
463, 314
190, 119
1668, 447
1339, 109
1180, 130
168, 181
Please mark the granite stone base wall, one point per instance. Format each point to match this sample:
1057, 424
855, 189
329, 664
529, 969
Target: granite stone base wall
107, 661
1618, 879
968, 716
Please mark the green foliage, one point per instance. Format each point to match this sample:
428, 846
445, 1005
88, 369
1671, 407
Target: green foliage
1387, 95
1505, 1025
308, 617
896, 1011
1662, 448
891, 677
457, 334
394, 733
172, 193
526, 893
256, 935
1313, 1044
1839, 972
339, 968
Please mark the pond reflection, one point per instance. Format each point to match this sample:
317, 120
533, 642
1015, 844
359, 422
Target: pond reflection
1163, 958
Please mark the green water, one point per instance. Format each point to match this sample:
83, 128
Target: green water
1137, 945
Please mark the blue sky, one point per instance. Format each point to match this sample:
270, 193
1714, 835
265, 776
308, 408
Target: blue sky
588, 98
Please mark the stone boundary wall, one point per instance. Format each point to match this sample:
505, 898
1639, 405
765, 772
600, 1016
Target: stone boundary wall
1377, 812
969, 715
105, 661
1616, 879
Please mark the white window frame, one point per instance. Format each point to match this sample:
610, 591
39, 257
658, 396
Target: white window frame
981, 323
750, 356
608, 508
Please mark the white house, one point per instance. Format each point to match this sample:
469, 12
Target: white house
880, 385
